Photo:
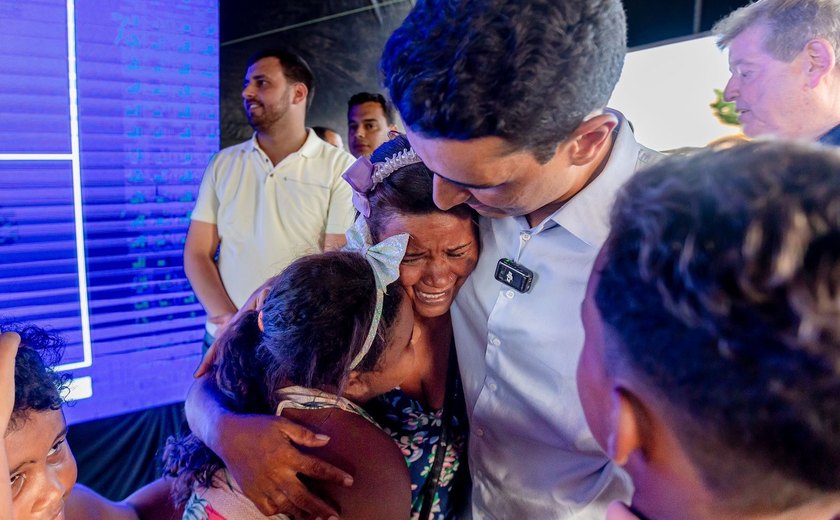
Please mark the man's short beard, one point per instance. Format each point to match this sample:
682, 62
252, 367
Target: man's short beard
259, 125
267, 119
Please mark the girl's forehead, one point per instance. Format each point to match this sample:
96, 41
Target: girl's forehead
34, 436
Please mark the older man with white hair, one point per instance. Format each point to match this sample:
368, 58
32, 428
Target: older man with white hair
783, 56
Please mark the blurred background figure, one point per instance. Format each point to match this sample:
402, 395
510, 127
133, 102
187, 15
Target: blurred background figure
369, 119
329, 135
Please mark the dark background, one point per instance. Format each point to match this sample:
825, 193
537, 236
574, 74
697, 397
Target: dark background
342, 41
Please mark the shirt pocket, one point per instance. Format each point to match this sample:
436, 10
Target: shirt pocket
303, 202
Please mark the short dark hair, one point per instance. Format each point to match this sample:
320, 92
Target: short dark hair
321, 131
371, 97
37, 387
791, 24
721, 281
316, 317
407, 191
295, 68
528, 72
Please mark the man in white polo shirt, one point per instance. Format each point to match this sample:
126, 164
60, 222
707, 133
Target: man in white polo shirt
268, 200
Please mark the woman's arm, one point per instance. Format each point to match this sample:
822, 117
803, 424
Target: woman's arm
85, 504
151, 502
154, 501
261, 453
382, 487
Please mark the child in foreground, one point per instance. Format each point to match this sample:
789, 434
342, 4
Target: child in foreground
41, 468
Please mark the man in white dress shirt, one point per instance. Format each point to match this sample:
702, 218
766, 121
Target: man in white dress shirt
506, 104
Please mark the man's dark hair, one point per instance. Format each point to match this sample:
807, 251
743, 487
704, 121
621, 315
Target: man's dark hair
295, 68
37, 387
371, 97
528, 72
722, 284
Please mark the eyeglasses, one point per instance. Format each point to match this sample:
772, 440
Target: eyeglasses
17, 483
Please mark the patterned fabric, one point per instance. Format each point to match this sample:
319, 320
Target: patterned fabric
417, 432
302, 398
223, 501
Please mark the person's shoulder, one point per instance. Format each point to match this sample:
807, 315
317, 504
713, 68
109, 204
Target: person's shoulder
337, 158
84, 503
229, 155
236, 149
381, 483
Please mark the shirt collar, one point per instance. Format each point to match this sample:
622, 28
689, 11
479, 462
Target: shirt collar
309, 149
312, 145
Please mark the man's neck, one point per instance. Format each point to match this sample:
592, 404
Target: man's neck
279, 142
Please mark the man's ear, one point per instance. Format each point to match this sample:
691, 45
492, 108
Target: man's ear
260, 322
590, 138
300, 92
629, 426
357, 389
821, 59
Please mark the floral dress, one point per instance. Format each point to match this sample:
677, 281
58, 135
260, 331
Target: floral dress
417, 431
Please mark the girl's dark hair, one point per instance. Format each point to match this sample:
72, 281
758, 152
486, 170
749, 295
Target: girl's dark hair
37, 387
316, 316
407, 191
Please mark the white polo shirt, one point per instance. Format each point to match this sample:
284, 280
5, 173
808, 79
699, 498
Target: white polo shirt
532, 455
267, 216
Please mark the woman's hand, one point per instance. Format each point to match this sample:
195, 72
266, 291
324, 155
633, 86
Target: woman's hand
260, 453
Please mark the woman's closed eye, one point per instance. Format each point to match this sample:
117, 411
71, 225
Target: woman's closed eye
459, 251
412, 258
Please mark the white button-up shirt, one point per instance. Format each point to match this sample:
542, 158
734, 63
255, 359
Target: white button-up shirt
532, 455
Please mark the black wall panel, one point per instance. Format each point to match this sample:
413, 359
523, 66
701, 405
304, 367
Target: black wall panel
343, 39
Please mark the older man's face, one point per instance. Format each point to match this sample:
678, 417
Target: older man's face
771, 96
